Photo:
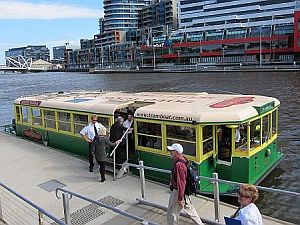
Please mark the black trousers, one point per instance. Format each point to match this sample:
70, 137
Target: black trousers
102, 169
91, 156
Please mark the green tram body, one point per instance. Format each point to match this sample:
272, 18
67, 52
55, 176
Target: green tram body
161, 119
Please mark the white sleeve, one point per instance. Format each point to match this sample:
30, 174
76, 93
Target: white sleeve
83, 131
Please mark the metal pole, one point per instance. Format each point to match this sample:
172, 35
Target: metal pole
216, 197
127, 147
1, 214
260, 55
66, 208
115, 165
153, 58
41, 221
142, 177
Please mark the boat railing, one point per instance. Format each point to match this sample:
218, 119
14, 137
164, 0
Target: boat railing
66, 195
214, 180
113, 153
16, 209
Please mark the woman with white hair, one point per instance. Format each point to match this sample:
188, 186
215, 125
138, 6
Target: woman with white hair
99, 149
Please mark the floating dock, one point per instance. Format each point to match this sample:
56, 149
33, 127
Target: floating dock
34, 171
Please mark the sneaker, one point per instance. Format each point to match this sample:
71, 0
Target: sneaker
91, 170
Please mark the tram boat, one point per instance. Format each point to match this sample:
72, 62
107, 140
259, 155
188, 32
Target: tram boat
232, 135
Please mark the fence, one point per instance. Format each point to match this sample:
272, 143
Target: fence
16, 209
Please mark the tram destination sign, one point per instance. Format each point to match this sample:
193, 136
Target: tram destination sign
265, 108
30, 102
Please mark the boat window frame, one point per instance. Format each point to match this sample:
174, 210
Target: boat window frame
30, 115
201, 142
42, 117
55, 119
164, 151
196, 127
58, 122
18, 115
149, 149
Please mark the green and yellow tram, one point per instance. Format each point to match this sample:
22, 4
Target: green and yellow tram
233, 135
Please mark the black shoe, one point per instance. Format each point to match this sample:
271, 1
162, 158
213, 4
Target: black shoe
102, 180
91, 170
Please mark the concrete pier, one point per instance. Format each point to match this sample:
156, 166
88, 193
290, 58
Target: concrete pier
26, 166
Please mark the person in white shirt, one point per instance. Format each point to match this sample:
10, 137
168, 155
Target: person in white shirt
88, 133
248, 212
129, 121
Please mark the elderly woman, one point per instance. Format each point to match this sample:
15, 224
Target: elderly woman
99, 149
248, 213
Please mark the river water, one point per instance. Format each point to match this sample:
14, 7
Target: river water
283, 85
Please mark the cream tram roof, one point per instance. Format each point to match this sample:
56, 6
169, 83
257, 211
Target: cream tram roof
180, 106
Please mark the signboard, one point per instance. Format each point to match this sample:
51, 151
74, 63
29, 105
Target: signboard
265, 108
30, 102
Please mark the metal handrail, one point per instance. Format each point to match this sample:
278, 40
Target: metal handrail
219, 180
40, 210
116, 210
114, 151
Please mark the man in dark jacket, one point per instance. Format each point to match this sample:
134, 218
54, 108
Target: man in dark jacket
116, 133
178, 200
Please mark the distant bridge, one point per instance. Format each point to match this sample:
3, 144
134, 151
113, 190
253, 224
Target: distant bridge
17, 64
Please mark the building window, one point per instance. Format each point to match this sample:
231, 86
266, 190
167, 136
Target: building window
186, 136
149, 135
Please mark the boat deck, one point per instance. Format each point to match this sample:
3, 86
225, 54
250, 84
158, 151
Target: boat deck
27, 166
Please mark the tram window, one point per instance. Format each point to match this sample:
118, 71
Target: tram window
207, 139
255, 133
80, 121
241, 137
37, 116
25, 114
149, 135
274, 122
64, 121
186, 136
18, 114
49, 120
104, 121
181, 132
266, 128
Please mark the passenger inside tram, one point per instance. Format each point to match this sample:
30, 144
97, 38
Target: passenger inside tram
224, 143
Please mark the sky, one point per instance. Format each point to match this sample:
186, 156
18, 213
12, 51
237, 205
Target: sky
47, 22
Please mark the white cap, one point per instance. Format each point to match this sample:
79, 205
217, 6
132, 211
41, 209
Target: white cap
176, 147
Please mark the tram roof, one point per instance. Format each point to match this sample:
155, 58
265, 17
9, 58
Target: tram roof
175, 106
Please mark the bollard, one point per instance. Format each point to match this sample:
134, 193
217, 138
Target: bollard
66, 208
142, 177
216, 197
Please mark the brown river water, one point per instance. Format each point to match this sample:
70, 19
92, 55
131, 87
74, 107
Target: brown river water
283, 85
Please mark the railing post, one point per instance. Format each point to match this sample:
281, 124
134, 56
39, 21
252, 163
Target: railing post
127, 146
1, 215
66, 208
142, 177
216, 197
41, 220
114, 157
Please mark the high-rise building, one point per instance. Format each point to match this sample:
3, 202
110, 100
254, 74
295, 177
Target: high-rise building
122, 14
199, 15
59, 52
